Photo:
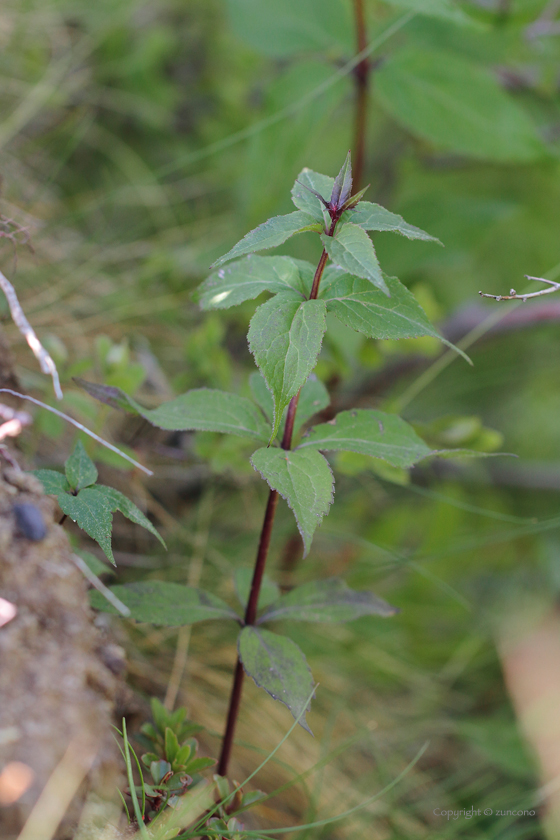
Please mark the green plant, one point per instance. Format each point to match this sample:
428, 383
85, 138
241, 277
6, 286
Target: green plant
87, 503
285, 337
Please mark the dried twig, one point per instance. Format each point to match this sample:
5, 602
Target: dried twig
554, 287
79, 426
100, 586
25, 328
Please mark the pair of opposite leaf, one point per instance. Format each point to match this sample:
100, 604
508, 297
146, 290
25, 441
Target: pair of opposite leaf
274, 661
286, 334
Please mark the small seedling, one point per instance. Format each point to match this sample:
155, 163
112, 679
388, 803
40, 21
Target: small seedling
88, 504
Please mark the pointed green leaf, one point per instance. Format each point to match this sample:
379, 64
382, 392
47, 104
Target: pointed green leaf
304, 199
342, 187
305, 482
248, 278
425, 91
119, 501
326, 600
369, 311
371, 216
313, 398
197, 765
171, 745
370, 432
270, 234
80, 469
168, 604
183, 754
277, 665
352, 250
159, 769
203, 409
353, 200
285, 338
93, 514
53, 482
269, 590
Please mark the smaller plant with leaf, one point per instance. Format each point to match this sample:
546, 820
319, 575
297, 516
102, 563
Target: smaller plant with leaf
89, 504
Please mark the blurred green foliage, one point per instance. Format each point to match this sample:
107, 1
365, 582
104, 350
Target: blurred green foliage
139, 141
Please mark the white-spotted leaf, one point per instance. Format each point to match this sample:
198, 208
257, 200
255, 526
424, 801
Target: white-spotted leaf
93, 513
248, 278
120, 502
53, 482
80, 469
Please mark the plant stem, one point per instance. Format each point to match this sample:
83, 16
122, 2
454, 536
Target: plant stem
361, 75
319, 273
262, 554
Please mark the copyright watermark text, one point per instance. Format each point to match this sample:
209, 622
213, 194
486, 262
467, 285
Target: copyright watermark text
468, 814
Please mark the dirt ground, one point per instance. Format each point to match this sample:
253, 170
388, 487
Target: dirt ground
59, 675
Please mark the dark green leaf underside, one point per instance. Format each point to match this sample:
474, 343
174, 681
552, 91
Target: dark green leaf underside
277, 664
326, 600
202, 409
167, 604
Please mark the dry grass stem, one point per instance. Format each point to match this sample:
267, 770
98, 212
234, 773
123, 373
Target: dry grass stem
27, 331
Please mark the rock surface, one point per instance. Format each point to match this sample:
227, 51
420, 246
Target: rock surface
57, 686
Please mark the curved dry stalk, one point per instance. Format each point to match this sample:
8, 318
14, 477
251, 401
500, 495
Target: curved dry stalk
27, 331
79, 426
554, 287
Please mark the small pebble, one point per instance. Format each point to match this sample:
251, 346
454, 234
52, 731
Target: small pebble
30, 522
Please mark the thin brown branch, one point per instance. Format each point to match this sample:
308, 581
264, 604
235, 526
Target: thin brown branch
554, 287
